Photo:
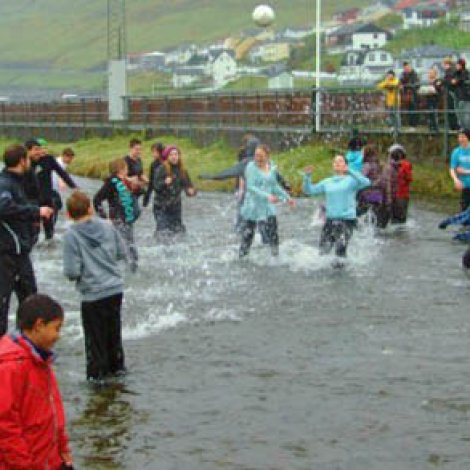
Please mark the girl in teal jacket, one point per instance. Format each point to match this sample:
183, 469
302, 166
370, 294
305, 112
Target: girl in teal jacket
262, 192
340, 191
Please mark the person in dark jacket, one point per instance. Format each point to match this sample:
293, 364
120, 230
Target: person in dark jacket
461, 80
17, 234
123, 209
409, 82
135, 168
449, 93
43, 165
170, 180
157, 151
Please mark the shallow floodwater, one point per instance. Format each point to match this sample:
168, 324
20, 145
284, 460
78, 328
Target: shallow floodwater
277, 363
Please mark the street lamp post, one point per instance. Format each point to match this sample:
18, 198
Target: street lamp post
318, 68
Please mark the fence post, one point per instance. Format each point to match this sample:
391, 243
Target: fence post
445, 146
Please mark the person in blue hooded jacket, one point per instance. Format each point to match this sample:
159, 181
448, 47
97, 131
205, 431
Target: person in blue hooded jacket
340, 191
262, 192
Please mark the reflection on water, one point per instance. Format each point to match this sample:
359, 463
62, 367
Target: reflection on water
104, 427
277, 363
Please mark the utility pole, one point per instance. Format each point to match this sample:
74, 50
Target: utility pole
117, 60
318, 68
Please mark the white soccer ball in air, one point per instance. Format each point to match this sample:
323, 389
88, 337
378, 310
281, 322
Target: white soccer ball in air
263, 15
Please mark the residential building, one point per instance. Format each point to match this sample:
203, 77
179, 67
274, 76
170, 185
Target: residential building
153, 60
279, 77
271, 51
187, 76
295, 33
464, 21
223, 67
358, 36
422, 16
180, 55
365, 66
346, 16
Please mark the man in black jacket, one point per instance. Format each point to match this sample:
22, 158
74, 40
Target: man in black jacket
410, 83
42, 166
17, 217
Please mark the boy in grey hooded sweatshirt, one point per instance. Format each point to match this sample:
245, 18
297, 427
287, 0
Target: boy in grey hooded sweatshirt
92, 250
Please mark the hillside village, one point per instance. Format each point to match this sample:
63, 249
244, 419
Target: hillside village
355, 49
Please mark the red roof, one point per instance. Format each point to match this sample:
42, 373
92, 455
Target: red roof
402, 4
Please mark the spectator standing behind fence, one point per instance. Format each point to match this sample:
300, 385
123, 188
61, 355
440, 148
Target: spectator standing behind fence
432, 93
449, 88
409, 82
461, 81
460, 167
390, 86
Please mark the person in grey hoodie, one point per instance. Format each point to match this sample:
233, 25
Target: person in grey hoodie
92, 251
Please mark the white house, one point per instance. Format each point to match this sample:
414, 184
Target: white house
296, 33
357, 36
425, 57
464, 21
365, 66
187, 76
422, 16
370, 37
153, 60
223, 66
279, 77
180, 55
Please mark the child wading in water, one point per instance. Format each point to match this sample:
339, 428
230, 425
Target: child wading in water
170, 180
92, 250
262, 192
32, 419
340, 191
123, 208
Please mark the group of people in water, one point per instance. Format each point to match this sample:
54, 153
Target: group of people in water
30, 187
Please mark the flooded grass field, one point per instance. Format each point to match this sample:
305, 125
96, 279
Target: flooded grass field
277, 363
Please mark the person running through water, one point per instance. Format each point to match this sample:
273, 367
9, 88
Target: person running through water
401, 198
170, 180
262, 192
123, 209
462, 218
340, 191
157, 154
373, 197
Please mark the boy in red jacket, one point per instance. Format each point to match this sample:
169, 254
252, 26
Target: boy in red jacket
401, 198
32, 420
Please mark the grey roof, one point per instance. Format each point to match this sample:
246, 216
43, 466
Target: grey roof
275, 70
198, 59
431, 50
358, 28
191, 71
214, 55
424, 7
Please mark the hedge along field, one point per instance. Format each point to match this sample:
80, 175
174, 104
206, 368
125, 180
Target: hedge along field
431, 179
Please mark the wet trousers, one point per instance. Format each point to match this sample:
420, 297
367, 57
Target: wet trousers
336, 233
101, 321
269, 234
127, 234
169, 219
16, 275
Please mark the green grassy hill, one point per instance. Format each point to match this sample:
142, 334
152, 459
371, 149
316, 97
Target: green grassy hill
69, 37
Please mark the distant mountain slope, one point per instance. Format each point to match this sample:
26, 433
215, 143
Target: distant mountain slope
71, 34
